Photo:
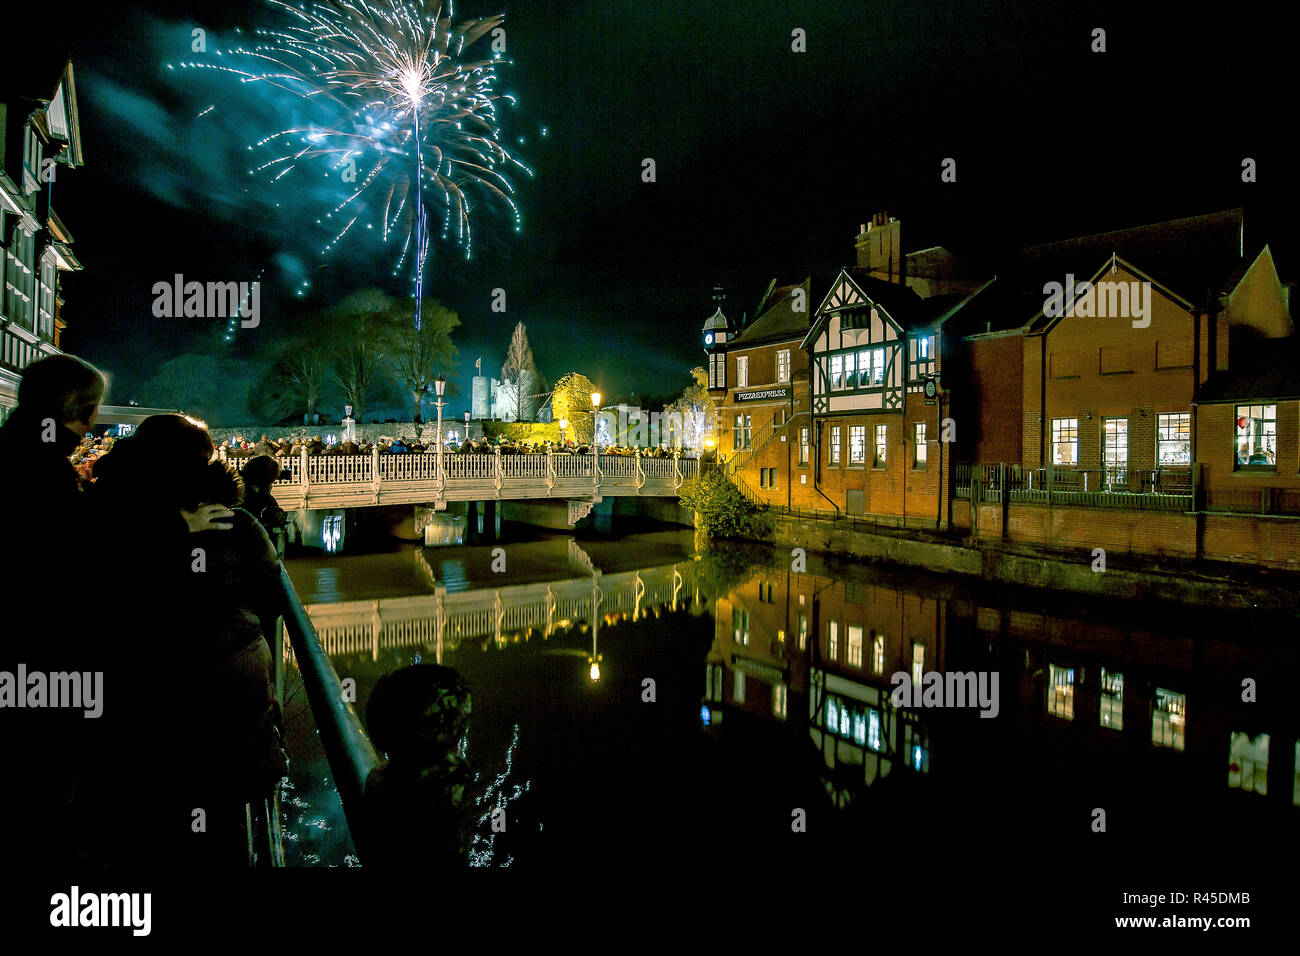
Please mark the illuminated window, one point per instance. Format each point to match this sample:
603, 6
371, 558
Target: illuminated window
742, 371
803, 446
779, 695
837, 372
1256, 435
918, 663
859, 728
878, 367
1114, 453
833, 642
1065, 441
1174, 438
742, 432
921, 447
1169, 721
783, 365
740, 626
835, 445
1060, 691
848, 370
738, 688
803, 632
864, 367
873, 729
878, 654
857, 444
855, 646
925, 347
1248, 763
882, 433
1112, 700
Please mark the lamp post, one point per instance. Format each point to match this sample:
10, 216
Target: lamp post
564, 426
440, 387
595, 448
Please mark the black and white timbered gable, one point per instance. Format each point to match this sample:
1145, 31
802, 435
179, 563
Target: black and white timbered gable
861, 355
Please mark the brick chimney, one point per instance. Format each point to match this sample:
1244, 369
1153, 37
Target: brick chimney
880, 248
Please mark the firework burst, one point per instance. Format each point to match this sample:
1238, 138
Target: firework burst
408, 116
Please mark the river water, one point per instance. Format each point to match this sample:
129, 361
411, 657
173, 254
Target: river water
740, 708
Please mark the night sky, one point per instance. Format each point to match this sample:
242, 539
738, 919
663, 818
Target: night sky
767, 161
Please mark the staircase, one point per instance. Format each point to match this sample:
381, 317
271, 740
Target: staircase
764, 438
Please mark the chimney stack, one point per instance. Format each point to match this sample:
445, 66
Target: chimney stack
880, 248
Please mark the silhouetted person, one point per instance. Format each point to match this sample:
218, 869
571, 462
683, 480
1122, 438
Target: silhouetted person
46, 564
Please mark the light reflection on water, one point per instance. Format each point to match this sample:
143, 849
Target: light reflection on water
773, 691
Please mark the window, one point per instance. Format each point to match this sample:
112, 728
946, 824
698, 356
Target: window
783, 365
1112, 700
864, 368
837, 372
924, 348
833, 641
848, 370
835, 445
1065, 441
742, 371
1169, 721
921, 447
873, 729
803, 631
878, 654
779, 700
1060, 691
767, 478
740, 626
918, 663
803, 446
1257, 435
881, 434
857, 444
1174, 438
855, 646
1115, 450
1248, 763
878, 367
742, 432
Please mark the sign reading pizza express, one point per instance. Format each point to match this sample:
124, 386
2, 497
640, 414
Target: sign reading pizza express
765, 395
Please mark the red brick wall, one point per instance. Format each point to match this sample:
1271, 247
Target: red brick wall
996, 374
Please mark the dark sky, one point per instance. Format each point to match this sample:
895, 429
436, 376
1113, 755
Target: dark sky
767, 160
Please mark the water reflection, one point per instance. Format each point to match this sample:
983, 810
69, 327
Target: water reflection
1133, 709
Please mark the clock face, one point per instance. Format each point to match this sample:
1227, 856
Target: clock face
708, 338
931, 389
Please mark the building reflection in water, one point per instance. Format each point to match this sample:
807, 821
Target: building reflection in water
1098, 703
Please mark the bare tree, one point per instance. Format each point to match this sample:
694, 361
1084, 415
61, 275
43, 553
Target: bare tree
418, 356
520, 372
359, 356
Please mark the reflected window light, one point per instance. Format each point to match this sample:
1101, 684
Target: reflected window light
1248, 763
918, 663
873, 730
779, 700
1112, 700
1169, 720
738, 689
918, 758
860, 729
704, 714
1060, 691
332, 532
878, 654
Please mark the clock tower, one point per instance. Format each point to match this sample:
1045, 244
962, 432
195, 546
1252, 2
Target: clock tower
717, 330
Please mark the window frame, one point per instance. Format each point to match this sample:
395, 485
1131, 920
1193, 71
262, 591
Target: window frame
1237, 437
1056, 442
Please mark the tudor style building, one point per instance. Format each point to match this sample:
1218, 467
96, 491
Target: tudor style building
37, 137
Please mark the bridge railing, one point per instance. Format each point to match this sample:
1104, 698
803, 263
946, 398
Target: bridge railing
416, 466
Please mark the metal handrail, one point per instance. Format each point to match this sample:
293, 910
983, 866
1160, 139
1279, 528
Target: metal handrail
351, 755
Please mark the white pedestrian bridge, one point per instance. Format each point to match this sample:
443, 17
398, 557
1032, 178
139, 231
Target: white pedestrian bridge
415, 478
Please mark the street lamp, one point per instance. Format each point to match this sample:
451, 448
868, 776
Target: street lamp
440, 386
595, 449
564, 426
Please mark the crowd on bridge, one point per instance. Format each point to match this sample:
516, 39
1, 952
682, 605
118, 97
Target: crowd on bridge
293, 447
141, 739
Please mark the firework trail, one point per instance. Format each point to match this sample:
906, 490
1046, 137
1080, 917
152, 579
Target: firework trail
406, 111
